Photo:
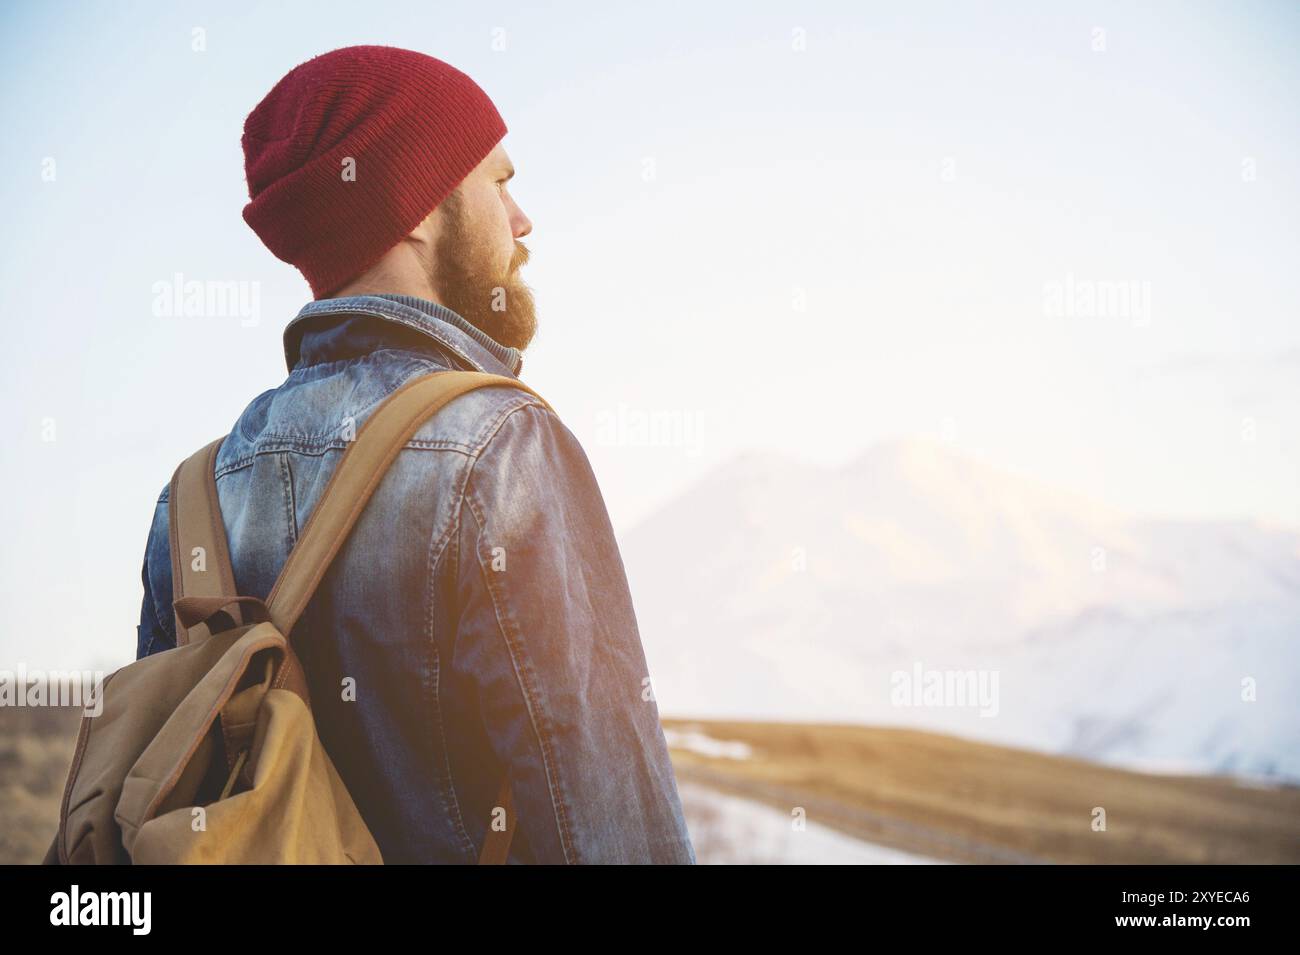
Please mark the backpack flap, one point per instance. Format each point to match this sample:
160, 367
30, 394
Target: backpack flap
284, 804
177, 766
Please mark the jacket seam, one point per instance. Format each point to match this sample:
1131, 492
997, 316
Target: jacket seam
451, 803
436, 549
233, 466
279, 443
415, 444
290, 505
522, 667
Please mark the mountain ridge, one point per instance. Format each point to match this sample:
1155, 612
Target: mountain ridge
776, 587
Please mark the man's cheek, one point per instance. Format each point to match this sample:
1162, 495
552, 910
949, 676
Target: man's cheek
505, 258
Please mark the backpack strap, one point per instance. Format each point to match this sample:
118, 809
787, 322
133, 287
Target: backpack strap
350, 487
200, 556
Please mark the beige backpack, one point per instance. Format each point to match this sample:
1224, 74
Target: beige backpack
207, 752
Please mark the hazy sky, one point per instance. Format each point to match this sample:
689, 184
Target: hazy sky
1063, 240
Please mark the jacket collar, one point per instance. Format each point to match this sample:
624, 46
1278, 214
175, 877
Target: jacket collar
479, 350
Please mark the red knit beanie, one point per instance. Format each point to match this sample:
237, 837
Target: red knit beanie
413, 127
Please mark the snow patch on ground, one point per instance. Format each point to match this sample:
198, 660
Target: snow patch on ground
696, 741
732, 830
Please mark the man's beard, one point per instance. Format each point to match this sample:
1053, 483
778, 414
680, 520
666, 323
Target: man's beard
467, 282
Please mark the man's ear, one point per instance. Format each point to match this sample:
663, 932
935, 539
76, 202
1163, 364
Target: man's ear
425, 235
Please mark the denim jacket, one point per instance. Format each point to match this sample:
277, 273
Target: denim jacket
480, 606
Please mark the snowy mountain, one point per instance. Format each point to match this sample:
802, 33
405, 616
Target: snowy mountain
776, 590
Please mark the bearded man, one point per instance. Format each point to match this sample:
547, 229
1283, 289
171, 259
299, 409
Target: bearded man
479, 611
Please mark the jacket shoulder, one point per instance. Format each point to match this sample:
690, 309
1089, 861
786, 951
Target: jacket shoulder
469, 421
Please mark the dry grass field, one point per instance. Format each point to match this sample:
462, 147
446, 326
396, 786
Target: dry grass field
921, 793
961, 801
36, 746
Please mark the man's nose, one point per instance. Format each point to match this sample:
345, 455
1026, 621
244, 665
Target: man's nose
522, 224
